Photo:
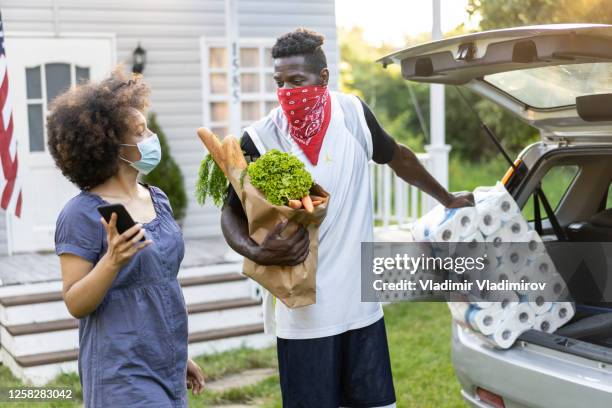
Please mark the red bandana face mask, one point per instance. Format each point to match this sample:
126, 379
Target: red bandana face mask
308, 111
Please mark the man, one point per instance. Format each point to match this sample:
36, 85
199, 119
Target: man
333, 353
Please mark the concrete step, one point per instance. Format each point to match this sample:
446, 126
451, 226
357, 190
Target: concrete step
45, 302
39, 338
61, 335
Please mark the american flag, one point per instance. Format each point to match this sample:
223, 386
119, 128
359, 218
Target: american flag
10, 188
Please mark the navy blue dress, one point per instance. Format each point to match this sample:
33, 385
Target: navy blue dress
133, 347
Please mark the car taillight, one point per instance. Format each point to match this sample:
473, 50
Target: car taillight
490, 398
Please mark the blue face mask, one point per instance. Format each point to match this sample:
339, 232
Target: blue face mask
150, 154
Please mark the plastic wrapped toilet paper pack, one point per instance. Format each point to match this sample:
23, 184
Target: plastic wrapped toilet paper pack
516, 254
446, 224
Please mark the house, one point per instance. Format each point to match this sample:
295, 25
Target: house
51, 44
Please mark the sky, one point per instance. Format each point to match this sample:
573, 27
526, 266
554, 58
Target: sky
390, 21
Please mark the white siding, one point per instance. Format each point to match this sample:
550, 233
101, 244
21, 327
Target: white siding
3, 234
170, 31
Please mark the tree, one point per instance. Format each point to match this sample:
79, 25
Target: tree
512, 13
167, 175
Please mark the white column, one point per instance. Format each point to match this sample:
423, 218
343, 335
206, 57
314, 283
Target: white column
438, 149
233, 55
233, 60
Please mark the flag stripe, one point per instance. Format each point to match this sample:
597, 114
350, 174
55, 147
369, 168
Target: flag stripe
11, 197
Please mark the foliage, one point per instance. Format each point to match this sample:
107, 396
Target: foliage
512, 13
280, 176
167, 175
211, 182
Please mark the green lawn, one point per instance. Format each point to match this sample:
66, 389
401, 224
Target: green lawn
419, 339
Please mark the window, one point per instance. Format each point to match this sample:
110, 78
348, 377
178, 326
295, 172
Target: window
554, 86
257, 87
43, 84
555, 185
609, 198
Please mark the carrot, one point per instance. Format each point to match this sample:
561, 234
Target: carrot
295, 204
318, 198
307, 202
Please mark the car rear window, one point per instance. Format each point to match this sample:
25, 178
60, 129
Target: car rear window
554, 86
555, 185
609, 199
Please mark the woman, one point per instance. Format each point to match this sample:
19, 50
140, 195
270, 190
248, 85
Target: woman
124, 291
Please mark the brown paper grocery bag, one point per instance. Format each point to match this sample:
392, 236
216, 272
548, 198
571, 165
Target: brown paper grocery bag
295, 286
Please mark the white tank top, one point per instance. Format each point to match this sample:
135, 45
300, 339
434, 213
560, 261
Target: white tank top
342, 170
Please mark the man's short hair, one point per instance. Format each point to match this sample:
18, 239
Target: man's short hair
302, 42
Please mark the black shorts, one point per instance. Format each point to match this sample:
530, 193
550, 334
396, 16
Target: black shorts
351, 369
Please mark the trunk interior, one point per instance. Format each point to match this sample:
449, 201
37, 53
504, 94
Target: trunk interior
577, 182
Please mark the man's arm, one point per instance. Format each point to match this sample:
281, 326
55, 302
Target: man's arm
275, 250
409, 168
407, 165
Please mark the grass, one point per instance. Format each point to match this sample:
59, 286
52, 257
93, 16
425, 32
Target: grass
419, 340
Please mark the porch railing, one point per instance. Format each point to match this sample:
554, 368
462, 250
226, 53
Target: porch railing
394, 201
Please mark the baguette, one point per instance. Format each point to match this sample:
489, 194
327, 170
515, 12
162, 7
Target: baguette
232, 153
213, 145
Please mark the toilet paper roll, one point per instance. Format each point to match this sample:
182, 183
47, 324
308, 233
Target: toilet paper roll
448, 232
504, 336
484, 320
517, 228
488, 221
539, 301
507, 299
561, 313
544, 323
543, 266
519, 317
437, 225
498, 274
498, 200
466, 221
557, 287
470, 246
515, 257
498, 242
534, 245
526, 275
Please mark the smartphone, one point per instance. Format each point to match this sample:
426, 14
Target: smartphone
124, 219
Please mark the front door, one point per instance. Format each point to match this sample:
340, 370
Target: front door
40, 69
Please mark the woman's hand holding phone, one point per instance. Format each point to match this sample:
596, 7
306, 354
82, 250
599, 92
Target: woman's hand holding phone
121, 247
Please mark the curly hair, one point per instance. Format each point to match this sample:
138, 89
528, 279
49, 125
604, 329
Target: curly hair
302, 41
87, 124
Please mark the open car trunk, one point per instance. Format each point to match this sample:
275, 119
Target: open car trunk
581, 249
588, 334
557, 79
535, 72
